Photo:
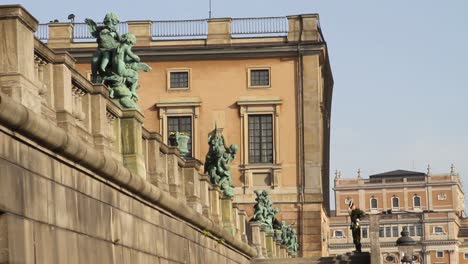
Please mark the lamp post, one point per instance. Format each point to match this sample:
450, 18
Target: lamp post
405, 245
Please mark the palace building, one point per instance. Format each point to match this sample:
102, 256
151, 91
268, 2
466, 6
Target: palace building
430, 206
266, 83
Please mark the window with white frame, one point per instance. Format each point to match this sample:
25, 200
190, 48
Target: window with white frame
180, 115
365, 232
178, 79
181, 124
416, 202
438, 230
261, 138
439, 254
338, 234
373, 203
259, 77
395, 203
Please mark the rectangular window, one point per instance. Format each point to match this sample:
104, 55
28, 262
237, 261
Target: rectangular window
181, 124
364, 232
381, 231
179, 79
411, 231
438, 230
260, 139
439, 254
419, 230
338, 234
388, 231
465, 255
259, 77
395, 231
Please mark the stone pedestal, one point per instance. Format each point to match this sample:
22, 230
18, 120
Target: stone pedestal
374, 239
215, 203
17, 72
263, 241
242, 225
227, 215
132, 147
284, 251
270, 243
60, 35
256, 238
192, 184
205, 186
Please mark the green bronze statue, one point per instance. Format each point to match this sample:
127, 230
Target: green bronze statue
217, 162
355, 214
114, 62
264, 213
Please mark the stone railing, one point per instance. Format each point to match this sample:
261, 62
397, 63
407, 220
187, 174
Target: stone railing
46, 100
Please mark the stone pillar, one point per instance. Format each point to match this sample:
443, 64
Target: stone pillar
256, 238
132, 142
215, 202
303, 28
374, 239
227, 214
219, 31
60, 35
17, 72
236, 221
270, 244
142, 31
174, 179
242, 225
263, 241
192, 184
205, 186
453, 254
278, 249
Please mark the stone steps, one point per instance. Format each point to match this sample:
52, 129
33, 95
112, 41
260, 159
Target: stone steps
348, 258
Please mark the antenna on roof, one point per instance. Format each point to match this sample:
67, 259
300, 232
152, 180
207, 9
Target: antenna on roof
209, 11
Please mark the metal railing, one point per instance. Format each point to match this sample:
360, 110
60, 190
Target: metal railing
81, 32
188, 29
259, 26
170, 29
42, 32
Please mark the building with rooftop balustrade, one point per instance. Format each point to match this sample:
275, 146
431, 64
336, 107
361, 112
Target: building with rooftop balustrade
430, 206
266, 83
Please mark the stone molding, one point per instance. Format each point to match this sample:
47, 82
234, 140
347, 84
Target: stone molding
48, 135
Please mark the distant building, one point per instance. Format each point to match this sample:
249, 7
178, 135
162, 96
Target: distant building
429, 205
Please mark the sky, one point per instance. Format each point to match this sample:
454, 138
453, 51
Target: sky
400, 69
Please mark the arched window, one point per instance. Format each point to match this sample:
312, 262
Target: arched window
395, 203
416, 201
373, 203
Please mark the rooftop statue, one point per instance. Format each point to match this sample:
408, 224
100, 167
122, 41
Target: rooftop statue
114, 63
217, 162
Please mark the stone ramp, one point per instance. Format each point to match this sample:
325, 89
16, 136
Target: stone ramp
349, 258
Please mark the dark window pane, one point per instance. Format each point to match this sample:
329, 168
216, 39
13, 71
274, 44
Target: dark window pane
181, 124
374, 203
381, 231
411, 231
179, 79
260, 139
419, 230
395, 202
388, 231
417, 201
395, 231
364, 232
260, 77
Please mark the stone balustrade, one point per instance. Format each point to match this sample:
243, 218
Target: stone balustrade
46, 100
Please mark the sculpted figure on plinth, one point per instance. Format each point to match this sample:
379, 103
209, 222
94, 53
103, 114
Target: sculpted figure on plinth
114, 62
217, 162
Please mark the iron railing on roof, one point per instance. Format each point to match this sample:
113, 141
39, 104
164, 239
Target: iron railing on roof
168, 29
42, 32
188, 29
259, 26
81, 32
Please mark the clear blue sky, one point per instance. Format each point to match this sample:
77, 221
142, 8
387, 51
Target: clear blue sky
400, 70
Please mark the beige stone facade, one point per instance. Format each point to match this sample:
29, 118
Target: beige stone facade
430, 206
100, 184
219, 92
